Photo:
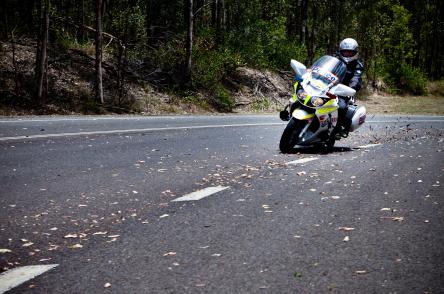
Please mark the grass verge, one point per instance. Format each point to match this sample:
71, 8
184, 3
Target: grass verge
384, 104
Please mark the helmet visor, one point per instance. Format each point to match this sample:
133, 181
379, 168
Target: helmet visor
348, 53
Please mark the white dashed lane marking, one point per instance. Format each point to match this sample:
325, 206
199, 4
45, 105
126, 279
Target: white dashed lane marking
197, 195
17, 276
302, 160
369, 146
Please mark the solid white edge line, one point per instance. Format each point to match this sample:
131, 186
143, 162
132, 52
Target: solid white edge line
132, 131
302, 160
17, 276
197, 195
98, 118
172, 128
436, 119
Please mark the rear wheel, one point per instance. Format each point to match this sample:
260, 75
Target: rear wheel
290, 135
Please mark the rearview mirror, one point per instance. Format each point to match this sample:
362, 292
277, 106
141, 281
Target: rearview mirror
342, 90
298, 68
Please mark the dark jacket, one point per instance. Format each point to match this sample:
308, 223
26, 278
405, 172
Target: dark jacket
353, 77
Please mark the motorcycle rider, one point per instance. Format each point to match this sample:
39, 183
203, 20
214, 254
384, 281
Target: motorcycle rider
348, 53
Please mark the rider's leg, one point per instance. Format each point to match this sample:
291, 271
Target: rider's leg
341, 126
342, 110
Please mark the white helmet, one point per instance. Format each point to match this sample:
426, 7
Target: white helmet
348, 49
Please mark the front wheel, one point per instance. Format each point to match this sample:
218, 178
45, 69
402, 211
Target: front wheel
291, 134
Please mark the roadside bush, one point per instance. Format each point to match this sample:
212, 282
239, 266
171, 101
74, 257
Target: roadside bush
221, 99
169, 55
405, 78
211, 66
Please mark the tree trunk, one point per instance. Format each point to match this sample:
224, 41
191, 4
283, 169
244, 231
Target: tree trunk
189, 44
292, 19
149, 22
42, 56
311, 41
99, 83
304, 21
14, 65
220, 21
122, 60
81, 33
214, 7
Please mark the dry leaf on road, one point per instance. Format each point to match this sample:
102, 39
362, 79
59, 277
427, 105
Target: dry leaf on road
393, 218
70, 236
345, 229
76, 246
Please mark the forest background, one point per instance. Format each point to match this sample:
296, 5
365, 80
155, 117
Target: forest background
91, 56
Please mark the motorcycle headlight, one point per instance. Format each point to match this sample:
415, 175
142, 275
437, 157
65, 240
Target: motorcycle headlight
316, 101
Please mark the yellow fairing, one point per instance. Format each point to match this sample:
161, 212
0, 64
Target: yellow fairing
302, 114
327, 108
295, 96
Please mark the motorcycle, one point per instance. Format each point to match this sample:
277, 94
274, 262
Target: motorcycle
313, 115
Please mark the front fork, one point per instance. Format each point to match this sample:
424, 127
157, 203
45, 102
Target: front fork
303, 115
309, 121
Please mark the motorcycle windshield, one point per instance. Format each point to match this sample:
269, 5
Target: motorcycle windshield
326, 72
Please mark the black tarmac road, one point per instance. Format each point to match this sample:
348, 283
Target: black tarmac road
94, 196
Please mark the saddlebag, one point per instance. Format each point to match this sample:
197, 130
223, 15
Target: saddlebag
355, 117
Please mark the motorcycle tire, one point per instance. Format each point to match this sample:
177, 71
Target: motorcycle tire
291, 132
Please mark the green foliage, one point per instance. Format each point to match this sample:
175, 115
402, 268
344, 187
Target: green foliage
392, 46
211, 66
222, 99
67, 41
405, 78
265, 44
399, 50
129, 23
169, 56
399, 42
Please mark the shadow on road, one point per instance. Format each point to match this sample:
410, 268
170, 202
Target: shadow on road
319, 150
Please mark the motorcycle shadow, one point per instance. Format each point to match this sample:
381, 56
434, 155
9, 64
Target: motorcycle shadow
319, 150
